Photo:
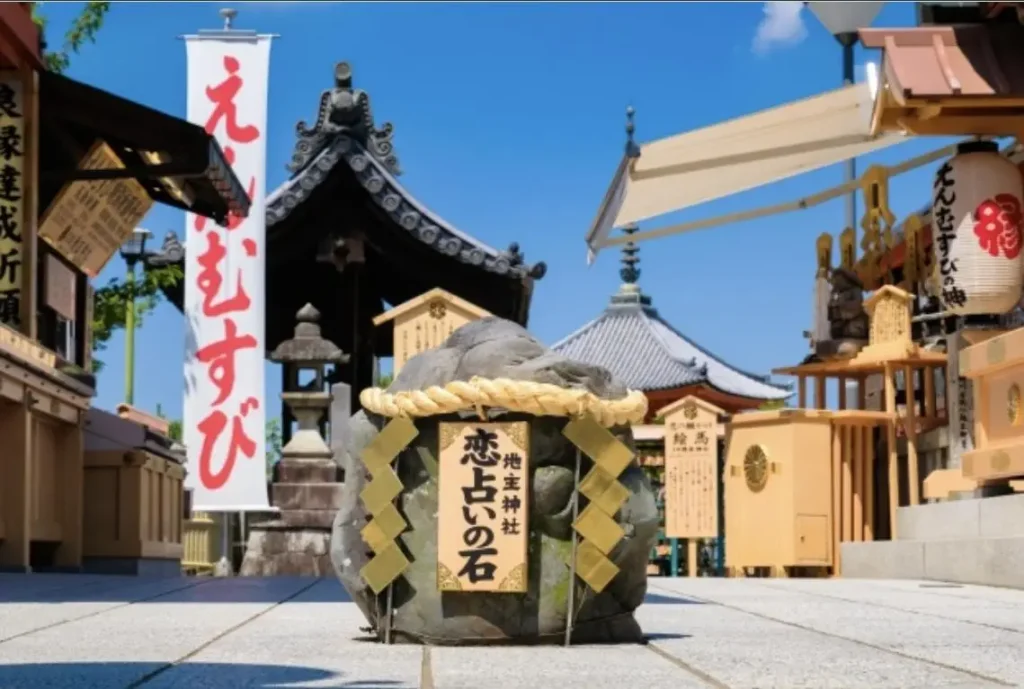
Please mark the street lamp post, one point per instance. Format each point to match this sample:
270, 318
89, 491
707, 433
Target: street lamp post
132, 251
843, 20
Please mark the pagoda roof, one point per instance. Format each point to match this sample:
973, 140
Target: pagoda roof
632, 341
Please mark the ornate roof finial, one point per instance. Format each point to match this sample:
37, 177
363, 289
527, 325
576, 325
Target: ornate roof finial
228, 14
632, 150
629, 272
344, 111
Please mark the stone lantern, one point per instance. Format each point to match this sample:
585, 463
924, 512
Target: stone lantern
306, 489
307, 352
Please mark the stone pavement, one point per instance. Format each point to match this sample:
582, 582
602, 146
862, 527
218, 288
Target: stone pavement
86, 632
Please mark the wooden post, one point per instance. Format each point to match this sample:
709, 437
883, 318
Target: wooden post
801, 394
862, 392
894, 469
859, 459
848, 485
869, 484
837, 496
72, 448
673, 560
691, 557
16, 431
842, 392
929, 393
820, 398
914, 492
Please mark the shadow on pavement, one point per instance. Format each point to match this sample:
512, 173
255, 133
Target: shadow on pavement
659, 599
204, 675
75, 588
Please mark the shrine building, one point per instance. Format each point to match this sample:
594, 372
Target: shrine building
646, 353
345, 236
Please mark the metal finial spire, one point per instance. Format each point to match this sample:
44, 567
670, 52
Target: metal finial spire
229, 15
632, 150
629, 272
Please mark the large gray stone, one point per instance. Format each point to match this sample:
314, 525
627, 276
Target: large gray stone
494, 348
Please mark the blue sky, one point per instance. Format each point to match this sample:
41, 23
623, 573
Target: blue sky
509, 124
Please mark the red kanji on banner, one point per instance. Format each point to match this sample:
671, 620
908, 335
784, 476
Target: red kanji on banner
210, 281
212, 427
220, 356
223, 97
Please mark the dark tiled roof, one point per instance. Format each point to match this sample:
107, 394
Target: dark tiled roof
345, 131
637, 346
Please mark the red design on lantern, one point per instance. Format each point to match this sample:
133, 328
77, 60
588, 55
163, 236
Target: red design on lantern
997, 225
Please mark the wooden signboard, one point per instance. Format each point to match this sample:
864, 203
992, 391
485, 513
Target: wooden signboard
691, 468
425, 322
12, 192
90, 220
59, 287
483, 479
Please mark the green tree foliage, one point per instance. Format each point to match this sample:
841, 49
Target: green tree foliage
111, 300
82, 30
772, 405
384, 380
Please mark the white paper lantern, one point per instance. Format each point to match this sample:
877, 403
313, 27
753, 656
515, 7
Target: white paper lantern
977, 213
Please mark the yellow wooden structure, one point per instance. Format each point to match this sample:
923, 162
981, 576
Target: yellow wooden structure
134, 510
41, 494
996, 367
200, 543
797, 484
890, 352
425, 322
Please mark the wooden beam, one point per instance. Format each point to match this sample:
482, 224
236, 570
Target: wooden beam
842, 392
847, 453
837, 496
801, 394
869, 485
930, 402
910, 426
858, 456
894, 469
16, 485
820, 398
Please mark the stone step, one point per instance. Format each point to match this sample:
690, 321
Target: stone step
996, 517
307, 471
982, 561
306, 496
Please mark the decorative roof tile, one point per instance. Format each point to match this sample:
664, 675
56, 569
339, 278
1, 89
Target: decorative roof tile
636, 345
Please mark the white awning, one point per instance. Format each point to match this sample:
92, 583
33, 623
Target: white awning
725, 159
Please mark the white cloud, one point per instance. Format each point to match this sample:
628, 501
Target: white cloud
782, 25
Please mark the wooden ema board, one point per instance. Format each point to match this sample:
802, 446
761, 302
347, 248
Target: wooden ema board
691, 470
483, 479
90, 220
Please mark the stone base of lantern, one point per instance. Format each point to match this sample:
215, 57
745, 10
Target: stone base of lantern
297, 543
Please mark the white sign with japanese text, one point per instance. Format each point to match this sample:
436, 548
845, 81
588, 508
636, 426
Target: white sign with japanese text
224, 420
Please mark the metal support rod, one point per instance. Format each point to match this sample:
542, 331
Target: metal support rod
389, 602
571, 597
129, 337
851, 165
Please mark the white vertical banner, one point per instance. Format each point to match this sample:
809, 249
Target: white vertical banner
225, 410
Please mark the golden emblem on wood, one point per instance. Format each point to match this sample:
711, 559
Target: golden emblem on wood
386, 523
755, 468
1013, 409
596, 524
